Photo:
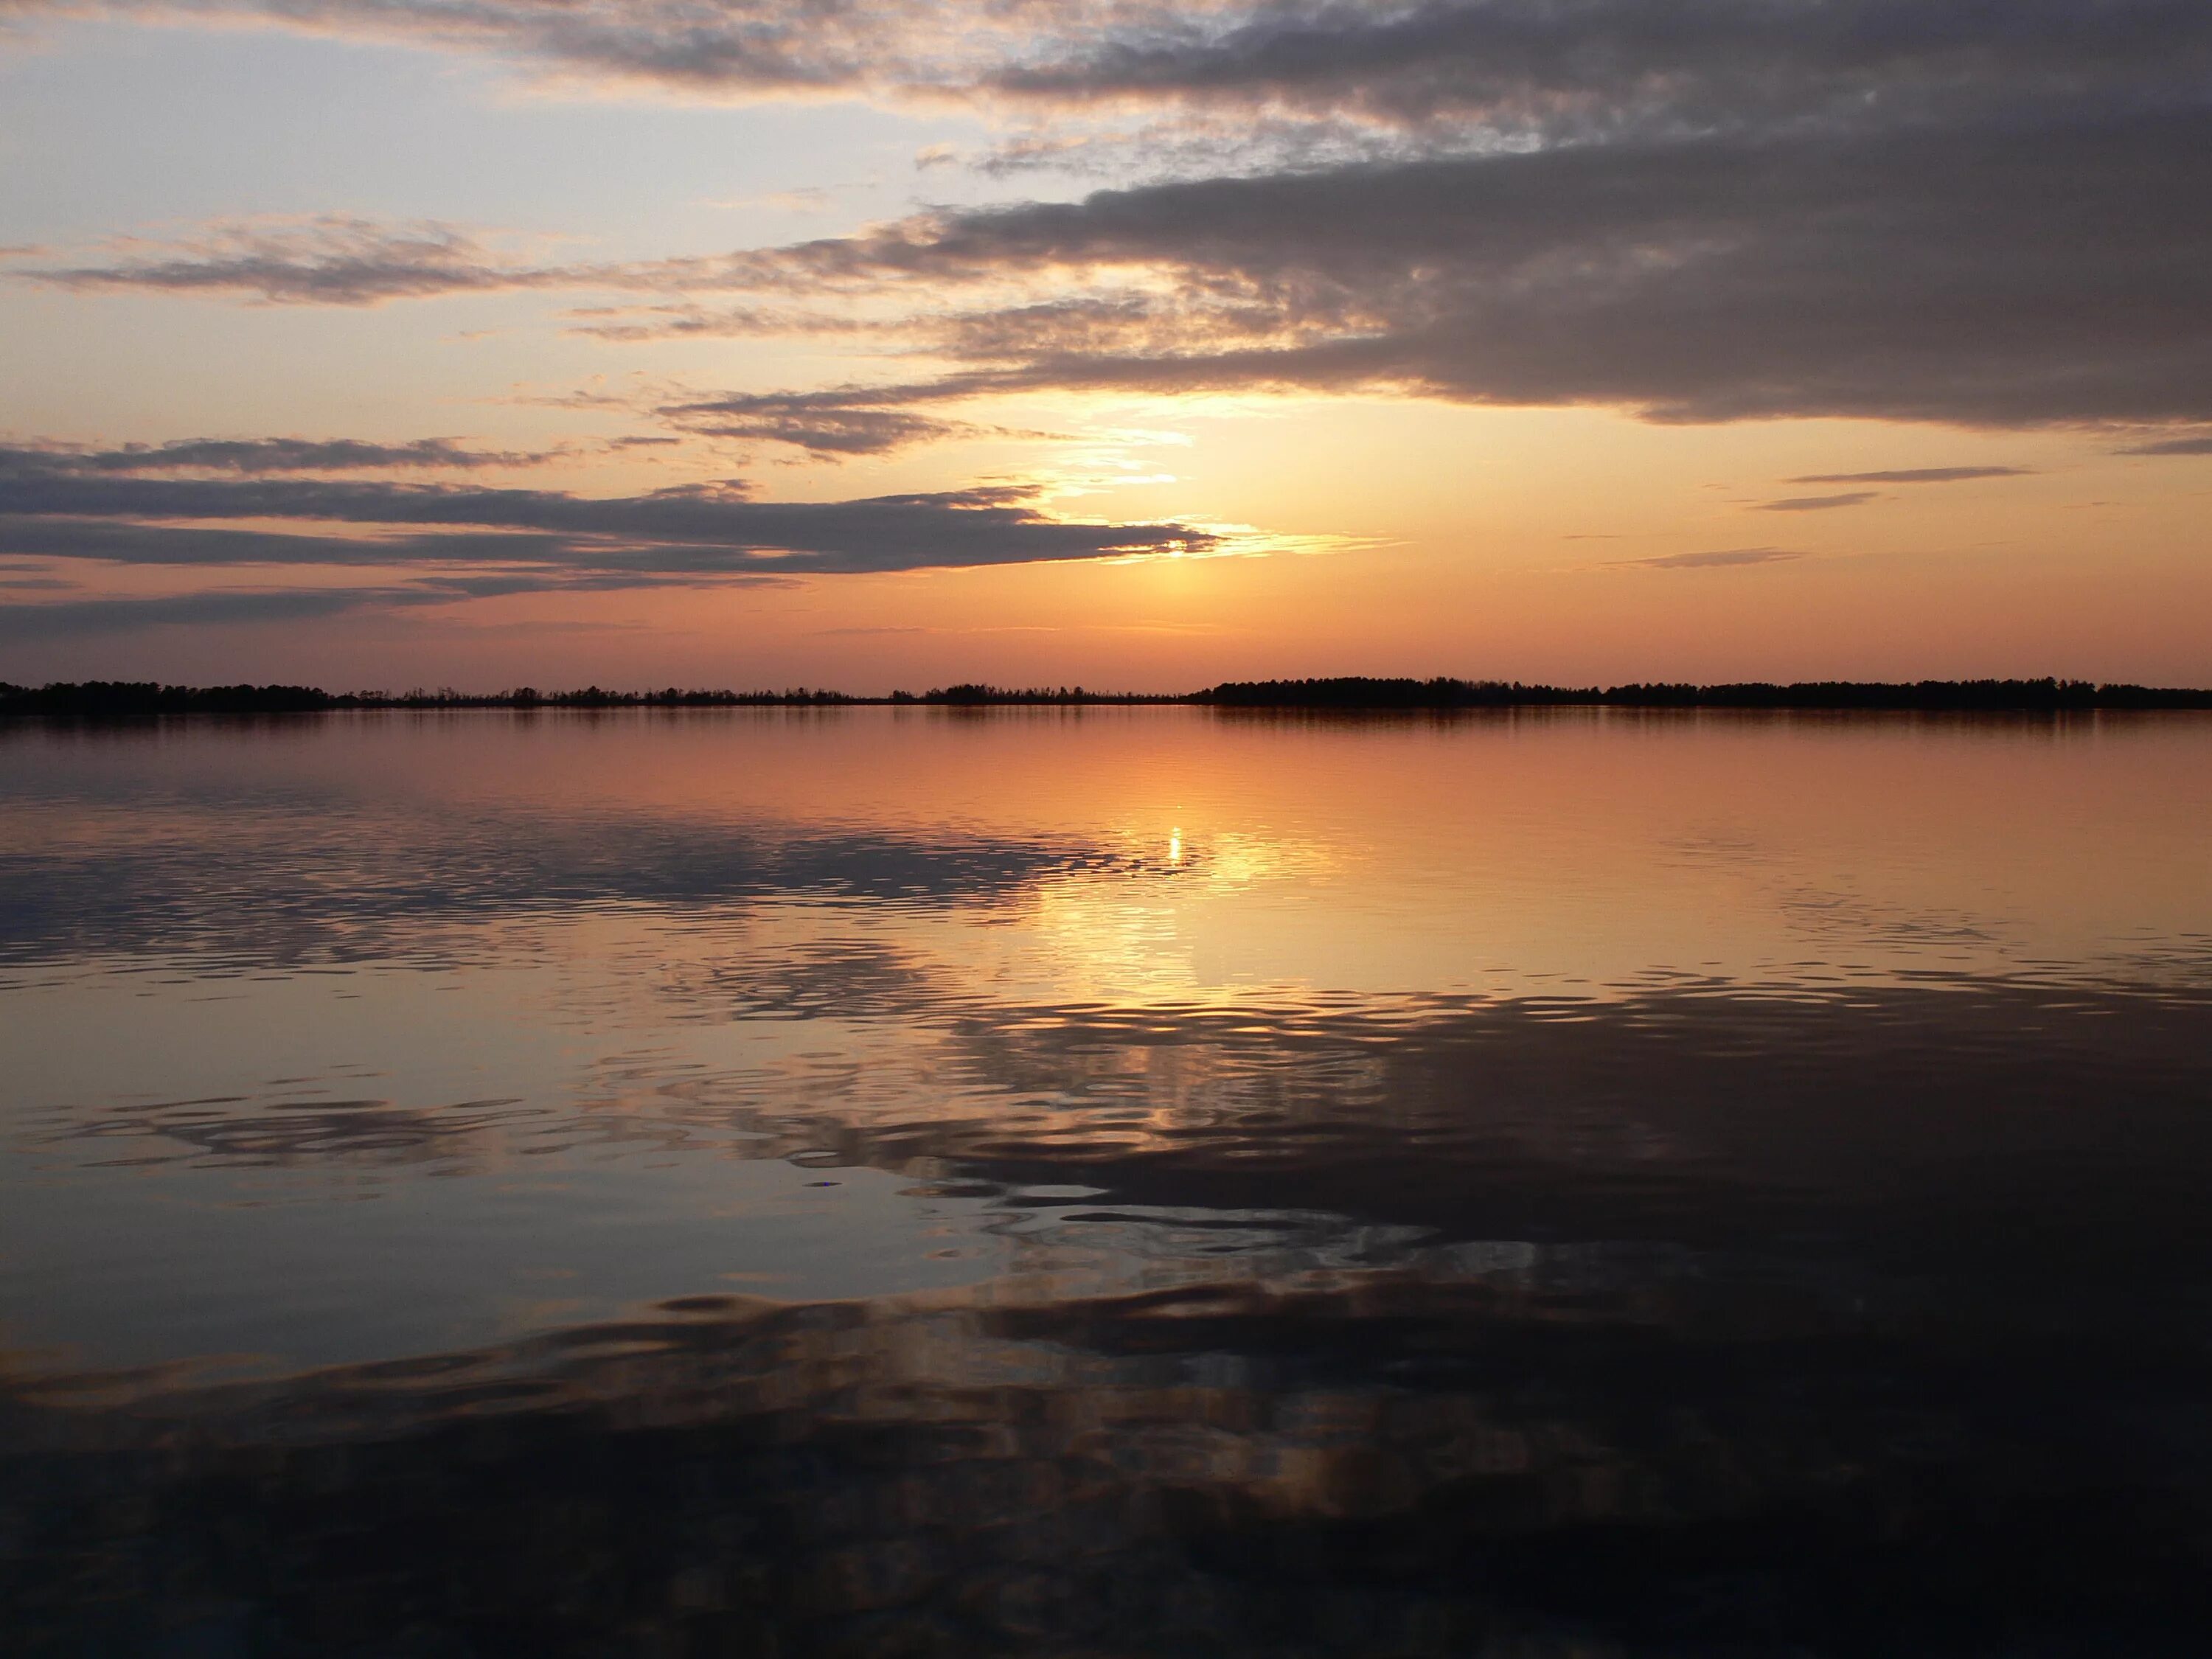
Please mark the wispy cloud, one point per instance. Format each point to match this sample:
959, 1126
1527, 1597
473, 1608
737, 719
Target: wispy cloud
1915, 474
2194, 443
1817, 503
1719, 559
333, 260
75, 618
829, 424
255, 456
229, 606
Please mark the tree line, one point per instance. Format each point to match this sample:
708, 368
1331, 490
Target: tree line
142, 699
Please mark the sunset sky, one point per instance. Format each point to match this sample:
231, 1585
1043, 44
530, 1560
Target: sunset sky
873, 344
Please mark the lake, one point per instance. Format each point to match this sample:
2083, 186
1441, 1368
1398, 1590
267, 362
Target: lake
1149, 1181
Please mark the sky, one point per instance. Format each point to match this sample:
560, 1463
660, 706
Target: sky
872, 344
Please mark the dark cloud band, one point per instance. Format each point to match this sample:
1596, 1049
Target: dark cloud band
693, 529
470, 542
1515, 66
1981, 275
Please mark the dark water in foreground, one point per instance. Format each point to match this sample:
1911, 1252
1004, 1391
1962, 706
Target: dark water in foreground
1133, 1183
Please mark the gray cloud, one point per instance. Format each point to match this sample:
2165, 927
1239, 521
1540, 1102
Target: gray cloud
229, 606
1912, 276
125, 541
342, 260
826, 423
688, 319
333, 260
1517, 68
256, 456
697, 529
1593, 68
694, 532
839, 421
1917, 475
1718, 559
2200, 444
75, 618
1817, 503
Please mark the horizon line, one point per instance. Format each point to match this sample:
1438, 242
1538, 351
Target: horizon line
96, 699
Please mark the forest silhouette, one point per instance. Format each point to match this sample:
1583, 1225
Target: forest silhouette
145, 699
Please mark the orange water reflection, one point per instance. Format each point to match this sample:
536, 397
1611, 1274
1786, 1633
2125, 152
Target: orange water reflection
1127, 1182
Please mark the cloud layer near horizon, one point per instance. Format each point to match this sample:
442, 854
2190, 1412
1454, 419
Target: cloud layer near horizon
472, 542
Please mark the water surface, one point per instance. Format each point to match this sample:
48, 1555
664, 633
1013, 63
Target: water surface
1116, 1182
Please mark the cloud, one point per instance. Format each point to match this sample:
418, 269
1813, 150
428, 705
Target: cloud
2197, 445
1913, 475
694, 528
1515, 69
1594, 67
1817, 503
466, 542
1902, 276
334, 260
837, 422
1691, 210
826, 423
348, 261
24, 624
121, 540
262, 455
232, 606
682, 319
1720, 559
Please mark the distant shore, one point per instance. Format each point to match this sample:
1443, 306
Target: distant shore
98, 700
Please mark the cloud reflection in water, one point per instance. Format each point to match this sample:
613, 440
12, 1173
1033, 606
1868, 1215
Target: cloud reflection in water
1107, 1219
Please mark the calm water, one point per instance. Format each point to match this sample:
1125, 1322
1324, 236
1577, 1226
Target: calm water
1125, 1183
